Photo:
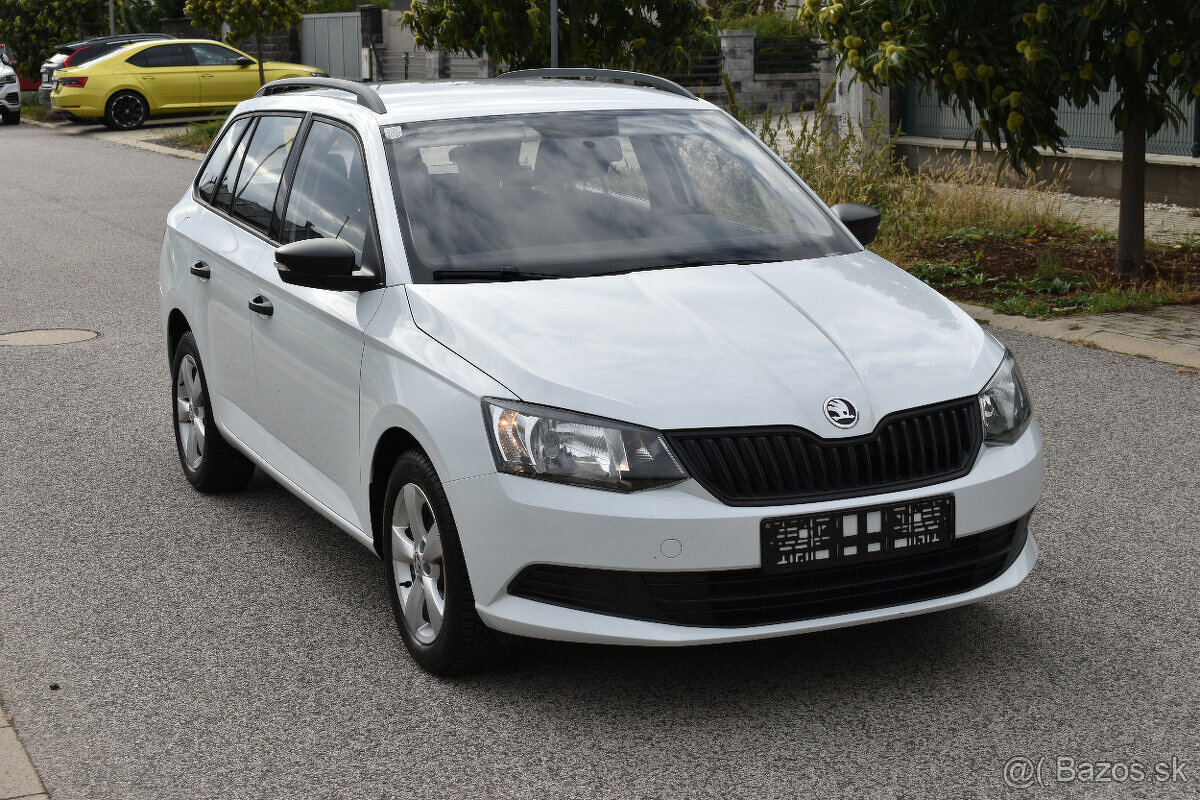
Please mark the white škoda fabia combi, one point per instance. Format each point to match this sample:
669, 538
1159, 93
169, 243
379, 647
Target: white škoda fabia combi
584, 360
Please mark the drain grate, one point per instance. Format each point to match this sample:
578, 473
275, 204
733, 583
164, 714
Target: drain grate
45, 336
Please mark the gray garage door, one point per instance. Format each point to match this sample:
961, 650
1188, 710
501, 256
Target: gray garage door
333, 42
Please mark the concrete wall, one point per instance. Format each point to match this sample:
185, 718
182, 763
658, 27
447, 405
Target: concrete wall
1090, 173
396, 37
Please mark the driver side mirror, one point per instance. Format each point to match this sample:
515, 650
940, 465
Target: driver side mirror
242, 61
323, 264
863, 221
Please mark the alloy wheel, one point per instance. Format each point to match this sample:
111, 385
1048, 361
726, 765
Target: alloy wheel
191, 412
417, 561
128, 111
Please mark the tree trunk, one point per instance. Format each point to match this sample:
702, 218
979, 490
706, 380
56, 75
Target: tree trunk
262, 75
574, 25
1131, 228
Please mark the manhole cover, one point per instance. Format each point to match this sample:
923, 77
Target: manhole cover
45, 336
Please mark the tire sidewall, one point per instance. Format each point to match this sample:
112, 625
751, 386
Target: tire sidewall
187, 347
414, 467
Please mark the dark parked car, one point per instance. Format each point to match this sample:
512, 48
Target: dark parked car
73, 54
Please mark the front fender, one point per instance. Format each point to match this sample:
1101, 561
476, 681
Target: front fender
411, 382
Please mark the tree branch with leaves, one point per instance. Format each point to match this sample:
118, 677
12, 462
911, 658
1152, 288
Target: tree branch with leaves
247, 19
646, 35
1009, 65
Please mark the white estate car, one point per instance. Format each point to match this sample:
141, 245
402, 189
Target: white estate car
585, 361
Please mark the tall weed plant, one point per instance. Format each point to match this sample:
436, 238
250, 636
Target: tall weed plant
846, 162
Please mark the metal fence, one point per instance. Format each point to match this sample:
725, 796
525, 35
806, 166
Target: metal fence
1087, 128
704, 70
776, 54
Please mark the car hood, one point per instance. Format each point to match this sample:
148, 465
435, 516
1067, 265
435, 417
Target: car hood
719, 346
286, 66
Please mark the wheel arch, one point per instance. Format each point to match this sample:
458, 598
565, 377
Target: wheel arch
392, 443
177, 326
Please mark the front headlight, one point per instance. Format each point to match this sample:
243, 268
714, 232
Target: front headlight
1005, 405
573, 448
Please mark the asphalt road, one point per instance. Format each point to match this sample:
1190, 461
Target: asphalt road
240, 646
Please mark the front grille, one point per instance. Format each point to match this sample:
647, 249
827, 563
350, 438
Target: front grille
738, 598
784, 465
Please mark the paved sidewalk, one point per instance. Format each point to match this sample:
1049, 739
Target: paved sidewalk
18, 778
1164, 227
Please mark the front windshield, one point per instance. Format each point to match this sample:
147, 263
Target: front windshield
589, 193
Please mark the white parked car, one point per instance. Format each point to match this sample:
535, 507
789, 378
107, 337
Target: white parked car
585, 361
10, 93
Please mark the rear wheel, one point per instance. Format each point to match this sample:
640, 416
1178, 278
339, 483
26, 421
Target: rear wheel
126, 111
209, 462
426, 575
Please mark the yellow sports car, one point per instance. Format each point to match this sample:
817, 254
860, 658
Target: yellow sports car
179, 76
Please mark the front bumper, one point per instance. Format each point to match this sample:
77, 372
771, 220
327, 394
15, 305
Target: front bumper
507, 523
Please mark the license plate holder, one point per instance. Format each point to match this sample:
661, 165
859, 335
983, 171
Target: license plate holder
852, 535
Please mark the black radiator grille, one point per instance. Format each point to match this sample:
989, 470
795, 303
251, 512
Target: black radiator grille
737, 598
776, 466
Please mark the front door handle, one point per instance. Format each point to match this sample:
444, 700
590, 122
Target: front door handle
261, 305
201, 270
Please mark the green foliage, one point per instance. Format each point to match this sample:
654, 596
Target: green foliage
138, 16
31, 28
646, 35
1009, 64
31, 108
198, 137
736, 16
247, 19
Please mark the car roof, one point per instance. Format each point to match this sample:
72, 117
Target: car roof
435, 100
71, 47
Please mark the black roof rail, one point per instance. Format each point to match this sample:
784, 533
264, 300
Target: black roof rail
367, 96
600, 75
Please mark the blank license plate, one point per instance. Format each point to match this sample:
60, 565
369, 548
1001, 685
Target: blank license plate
841, 537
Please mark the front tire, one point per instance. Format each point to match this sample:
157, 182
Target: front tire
126, 111
426, 574
12, 117
209, 462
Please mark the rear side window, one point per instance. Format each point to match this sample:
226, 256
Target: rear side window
164, 55
213, 55
83, 55
261, 170
329, 197
210, 177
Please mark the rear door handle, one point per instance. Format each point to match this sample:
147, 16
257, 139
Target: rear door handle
201, 270
261, 305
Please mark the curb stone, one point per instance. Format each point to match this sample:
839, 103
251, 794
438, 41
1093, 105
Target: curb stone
1098, 330
131, 141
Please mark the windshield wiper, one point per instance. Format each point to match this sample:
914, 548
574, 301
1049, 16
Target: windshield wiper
700, 262
498, 274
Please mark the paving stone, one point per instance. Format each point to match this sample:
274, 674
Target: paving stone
17, 775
